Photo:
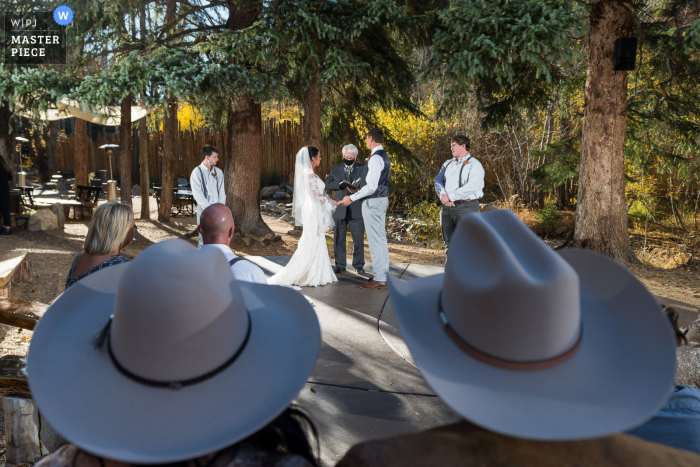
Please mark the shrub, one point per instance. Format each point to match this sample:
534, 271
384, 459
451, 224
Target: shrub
424, 224
549, 216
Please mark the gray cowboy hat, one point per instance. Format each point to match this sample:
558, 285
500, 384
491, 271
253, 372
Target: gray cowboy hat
536, 344
192, 362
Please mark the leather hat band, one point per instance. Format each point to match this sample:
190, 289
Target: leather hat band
502, 363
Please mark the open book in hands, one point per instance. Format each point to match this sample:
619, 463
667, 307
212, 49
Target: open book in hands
344, 184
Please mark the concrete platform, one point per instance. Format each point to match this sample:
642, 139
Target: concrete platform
365, 384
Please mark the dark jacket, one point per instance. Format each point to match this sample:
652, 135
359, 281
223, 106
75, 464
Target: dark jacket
333, 184
5, 177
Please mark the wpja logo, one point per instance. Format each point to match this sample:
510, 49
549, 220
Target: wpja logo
63, 15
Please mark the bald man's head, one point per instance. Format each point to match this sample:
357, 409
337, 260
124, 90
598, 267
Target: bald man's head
216, 224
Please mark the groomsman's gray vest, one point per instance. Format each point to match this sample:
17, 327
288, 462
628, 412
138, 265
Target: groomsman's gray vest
382, 190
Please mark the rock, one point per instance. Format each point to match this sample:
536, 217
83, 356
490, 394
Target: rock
289, 189
277, 238
136, 191
280, 195
268, 191
560, 230
247, 241
263, 208
44, 219
269, 236
57, 208
286, 218
294, 233
264, 240
488, 207
251, 236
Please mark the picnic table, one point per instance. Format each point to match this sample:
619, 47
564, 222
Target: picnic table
183, 201
26, 196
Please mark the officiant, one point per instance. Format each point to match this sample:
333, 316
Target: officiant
340, 180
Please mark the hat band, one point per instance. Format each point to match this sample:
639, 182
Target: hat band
181, 383
503, 363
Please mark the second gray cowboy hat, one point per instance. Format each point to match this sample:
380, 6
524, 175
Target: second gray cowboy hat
536, 344
193, 361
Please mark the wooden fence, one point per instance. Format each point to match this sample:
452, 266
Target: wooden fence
280, 143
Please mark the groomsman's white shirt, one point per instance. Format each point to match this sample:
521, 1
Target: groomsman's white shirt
242, 270
472, 179
215, 186
375, 165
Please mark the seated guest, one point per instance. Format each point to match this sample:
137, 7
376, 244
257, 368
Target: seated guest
217, 229
112, 228
677, 424
169, 359
546, 355
688, 371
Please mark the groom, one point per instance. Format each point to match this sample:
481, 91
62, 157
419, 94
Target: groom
374, 190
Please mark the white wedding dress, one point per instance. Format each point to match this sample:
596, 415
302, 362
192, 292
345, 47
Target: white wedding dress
310, 265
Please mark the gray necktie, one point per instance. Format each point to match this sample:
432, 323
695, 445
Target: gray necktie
347, 173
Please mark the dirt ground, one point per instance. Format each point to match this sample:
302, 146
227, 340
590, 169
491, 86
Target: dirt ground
52, 252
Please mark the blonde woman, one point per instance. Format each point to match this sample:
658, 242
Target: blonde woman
111, 230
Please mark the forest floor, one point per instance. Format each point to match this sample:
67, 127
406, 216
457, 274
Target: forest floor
52, 252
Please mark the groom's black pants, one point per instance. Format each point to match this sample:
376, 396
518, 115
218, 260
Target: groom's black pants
357, 230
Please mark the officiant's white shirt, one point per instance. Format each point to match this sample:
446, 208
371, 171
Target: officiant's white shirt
375, 165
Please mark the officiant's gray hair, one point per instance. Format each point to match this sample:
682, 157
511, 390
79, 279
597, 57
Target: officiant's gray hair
350, 147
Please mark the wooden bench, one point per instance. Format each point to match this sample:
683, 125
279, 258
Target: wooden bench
14, 268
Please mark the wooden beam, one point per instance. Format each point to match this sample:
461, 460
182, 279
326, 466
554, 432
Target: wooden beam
8, 262
21, 314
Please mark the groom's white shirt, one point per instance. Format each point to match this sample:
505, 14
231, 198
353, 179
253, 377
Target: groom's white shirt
375, 165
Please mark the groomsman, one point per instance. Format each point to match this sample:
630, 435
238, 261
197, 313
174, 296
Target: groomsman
374, 191
460, 185
348, 171
207, 183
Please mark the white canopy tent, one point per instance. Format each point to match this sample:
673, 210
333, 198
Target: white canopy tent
110, 115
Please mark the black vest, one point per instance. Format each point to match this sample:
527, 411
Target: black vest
382, 190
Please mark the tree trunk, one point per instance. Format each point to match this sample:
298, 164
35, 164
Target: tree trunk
169, 128
144, 176
143, 166
125, 151
244, 129
242, 176
312, 111
81, 161
166, 192
52, 147
601, 213
41, 156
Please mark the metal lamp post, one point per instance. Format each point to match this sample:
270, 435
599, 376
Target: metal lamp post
111, 183
21, 175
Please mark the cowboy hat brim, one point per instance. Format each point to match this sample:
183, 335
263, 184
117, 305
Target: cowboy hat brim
622, 374
89, 402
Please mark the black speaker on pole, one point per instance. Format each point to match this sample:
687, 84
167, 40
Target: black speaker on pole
625, 53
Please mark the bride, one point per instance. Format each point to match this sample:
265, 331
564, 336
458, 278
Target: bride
313, 209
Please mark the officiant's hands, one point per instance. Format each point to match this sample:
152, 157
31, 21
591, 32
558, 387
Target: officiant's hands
346, 201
